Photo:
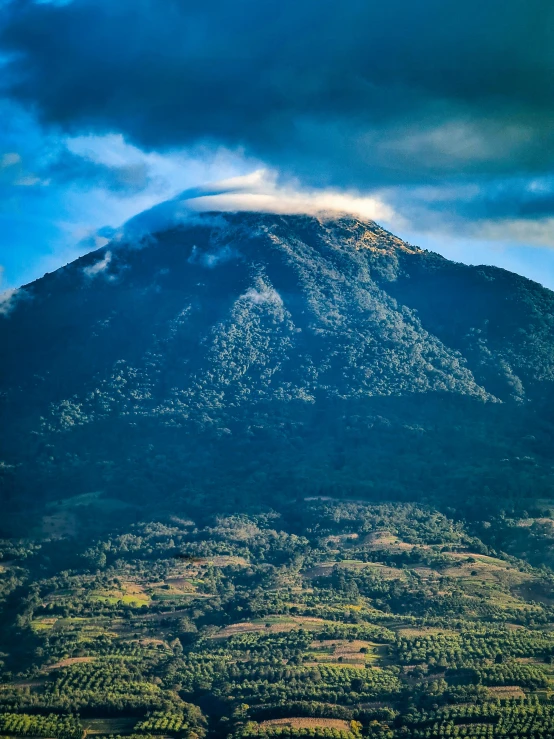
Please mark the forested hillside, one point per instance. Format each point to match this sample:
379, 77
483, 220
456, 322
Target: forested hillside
274, 355
273, 476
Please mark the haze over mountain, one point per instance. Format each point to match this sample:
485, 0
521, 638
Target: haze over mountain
233, 354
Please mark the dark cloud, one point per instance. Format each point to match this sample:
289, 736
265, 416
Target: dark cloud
496, 200
512, 200
356, 92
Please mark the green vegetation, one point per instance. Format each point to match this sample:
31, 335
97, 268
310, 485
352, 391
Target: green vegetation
320, 358
308, 494
22, 724
327, 618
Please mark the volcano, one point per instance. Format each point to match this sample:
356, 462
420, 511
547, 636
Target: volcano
248, 355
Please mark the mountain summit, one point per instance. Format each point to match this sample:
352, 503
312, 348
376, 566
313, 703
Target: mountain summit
250, 350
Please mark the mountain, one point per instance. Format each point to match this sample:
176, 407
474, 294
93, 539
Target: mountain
276, 476
243, 356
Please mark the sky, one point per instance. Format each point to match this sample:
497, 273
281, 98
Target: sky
435, 118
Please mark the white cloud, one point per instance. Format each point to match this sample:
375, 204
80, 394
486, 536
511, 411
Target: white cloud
100, 266
10, 297
9, 159
456, 143
263, 295
29, 180
217, 179
260, 191
212, 259
162, 177
8, 300
6, 297
517, 230
11, 165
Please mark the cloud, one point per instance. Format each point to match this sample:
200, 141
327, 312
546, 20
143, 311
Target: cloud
260, 191
263, 295
435, 118
28, 180
7, 301
9, 160
212, 259
456, 144
514, 209
110, 181
9, 297
100, 266
89, 186
347, 94
13, 173
513, 230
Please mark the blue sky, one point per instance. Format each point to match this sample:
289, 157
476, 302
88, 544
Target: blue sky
434, 118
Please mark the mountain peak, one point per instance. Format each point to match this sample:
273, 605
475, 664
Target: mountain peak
175, 215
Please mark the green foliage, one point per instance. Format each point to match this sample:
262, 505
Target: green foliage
327, 618
51, 725
188, 722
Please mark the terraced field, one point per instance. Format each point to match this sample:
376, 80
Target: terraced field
261, 625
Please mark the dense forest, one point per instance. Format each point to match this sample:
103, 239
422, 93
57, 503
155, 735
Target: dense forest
267, 355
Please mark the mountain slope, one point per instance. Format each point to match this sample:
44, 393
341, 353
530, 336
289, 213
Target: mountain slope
254, 352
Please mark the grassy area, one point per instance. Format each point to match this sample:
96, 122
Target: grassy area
125, 598
110, 726
343, 652
308, 723
43, 624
